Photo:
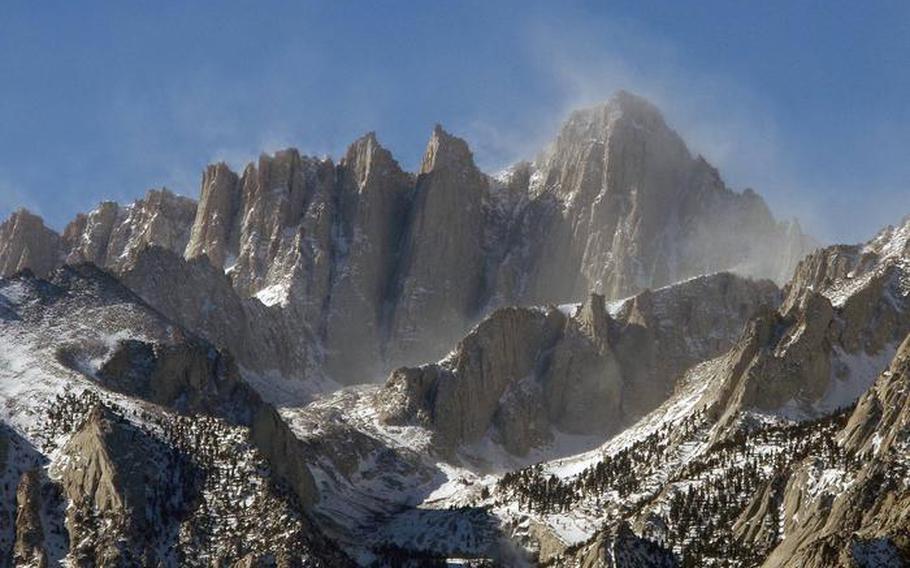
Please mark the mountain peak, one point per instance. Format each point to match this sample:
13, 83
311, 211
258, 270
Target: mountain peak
23, 213
366, 145
25, 242
219, 168
438, 130
594, 123
446, 150
369, 138
631, 102
163, 195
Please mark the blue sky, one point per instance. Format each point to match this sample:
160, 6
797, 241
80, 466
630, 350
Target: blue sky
807, 102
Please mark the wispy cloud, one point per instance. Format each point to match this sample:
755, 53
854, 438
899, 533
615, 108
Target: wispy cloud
731, 124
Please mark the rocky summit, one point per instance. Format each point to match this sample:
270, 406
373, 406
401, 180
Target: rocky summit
604, 357
402, 264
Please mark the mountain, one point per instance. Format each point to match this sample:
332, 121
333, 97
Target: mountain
763, 456
401, 264
845, 311
129, 441
618, 204
681, 426
111, 235
601, 358
580, 369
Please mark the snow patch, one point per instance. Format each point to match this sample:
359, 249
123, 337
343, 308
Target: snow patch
276, 294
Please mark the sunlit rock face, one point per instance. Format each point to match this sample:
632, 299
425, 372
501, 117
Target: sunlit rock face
523, 373
216, 230
25, 243
111, 235
843, 315
442, 254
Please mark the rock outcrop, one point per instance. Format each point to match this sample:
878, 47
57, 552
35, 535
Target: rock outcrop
141, 497
459, 397
286, 234
583, 381
263, 339
114, 482
193, 377
758, 524
29, 549
863, 520
190, 376
846, 310
108, 236
216, 229
524, 371
111, 235
374, 193
622, 548
441, 273
88, 236
25, 243
277, 442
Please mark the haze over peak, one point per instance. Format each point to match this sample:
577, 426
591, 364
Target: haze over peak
403, 263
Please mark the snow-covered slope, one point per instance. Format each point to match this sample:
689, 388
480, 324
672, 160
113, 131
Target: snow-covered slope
398, 483
135, 432
702, 479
